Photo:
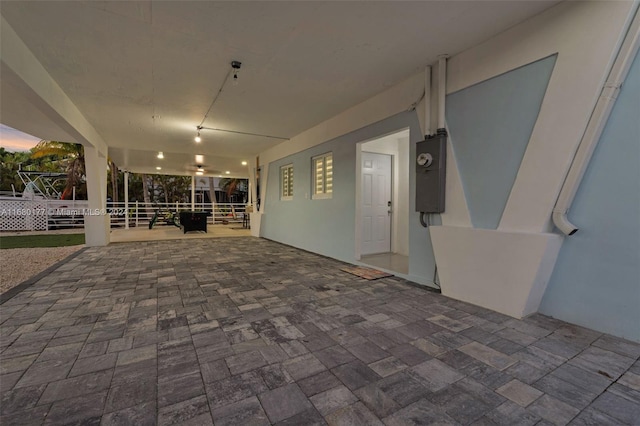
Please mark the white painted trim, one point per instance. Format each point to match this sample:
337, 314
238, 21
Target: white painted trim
504, 271
456, 211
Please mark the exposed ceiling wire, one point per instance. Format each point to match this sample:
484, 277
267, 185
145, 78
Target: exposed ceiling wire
244, 133
215, 98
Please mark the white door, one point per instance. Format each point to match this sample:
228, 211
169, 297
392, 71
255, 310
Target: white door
376, 203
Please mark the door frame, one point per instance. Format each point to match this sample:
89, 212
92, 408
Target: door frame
358, 194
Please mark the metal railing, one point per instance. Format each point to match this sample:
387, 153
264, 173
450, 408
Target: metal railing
140, 213
22, 214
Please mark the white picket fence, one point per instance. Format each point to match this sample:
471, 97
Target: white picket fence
21, 214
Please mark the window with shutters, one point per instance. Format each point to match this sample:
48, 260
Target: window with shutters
322, 179
286, 182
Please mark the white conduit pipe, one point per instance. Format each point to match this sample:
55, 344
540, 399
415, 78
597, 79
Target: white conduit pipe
597, 122
442, 89
427, 101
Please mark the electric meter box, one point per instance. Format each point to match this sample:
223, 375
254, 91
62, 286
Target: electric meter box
431, 159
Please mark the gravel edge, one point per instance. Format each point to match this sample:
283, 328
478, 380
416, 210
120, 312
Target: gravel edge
12, 292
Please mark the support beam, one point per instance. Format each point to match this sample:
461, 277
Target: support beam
126, 200
96, 220
193, 193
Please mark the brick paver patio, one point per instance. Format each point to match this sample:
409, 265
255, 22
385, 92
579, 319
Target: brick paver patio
244, 331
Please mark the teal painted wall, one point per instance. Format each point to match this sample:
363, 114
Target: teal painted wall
327, 226
596, 280
490, 124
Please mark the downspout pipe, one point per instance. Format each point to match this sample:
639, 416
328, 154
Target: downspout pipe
597, 122
442, 93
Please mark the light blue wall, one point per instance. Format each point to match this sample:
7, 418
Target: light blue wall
596, 280
490, 124
327, 226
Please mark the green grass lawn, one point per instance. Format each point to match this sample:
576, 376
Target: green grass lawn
28, 241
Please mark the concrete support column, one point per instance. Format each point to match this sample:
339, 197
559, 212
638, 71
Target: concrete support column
126, 200
193, 193
96, 221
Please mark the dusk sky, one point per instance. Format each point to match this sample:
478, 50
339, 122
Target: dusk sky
14, 140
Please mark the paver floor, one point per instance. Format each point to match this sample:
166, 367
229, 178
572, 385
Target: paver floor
244, 331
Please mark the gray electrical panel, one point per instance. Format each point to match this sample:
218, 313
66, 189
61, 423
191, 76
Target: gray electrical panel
431, 159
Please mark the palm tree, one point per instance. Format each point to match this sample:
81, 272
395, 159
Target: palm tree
72, 154
113, 171
233, 186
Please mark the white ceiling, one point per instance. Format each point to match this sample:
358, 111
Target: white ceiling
144, 73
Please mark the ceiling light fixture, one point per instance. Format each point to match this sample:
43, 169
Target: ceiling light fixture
200, 169
199, 173
199, 159
158, 168
228, 172
160, 155
244, 163
236, 68
198, 138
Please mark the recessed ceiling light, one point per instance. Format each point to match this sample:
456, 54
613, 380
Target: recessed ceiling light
199, 159
244, 163
158, 168
160, 155
228, 172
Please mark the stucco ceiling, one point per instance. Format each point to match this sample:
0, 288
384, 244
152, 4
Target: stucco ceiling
144, 73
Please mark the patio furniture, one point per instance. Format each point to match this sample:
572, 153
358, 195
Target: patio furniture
193, 221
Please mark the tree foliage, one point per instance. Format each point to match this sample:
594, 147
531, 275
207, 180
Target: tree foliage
70, 158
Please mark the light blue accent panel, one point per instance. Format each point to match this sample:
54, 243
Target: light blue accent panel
490, 125
596, 280
327, 226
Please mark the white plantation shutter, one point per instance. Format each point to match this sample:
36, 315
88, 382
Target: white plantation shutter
286, 181
322, 176
319, 176
328, 179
